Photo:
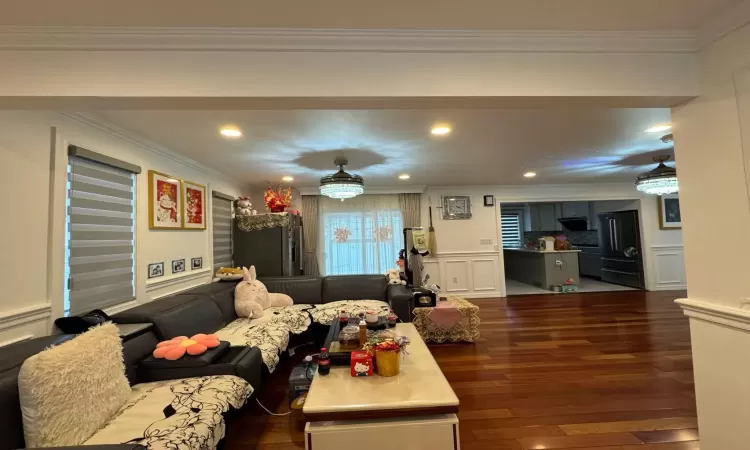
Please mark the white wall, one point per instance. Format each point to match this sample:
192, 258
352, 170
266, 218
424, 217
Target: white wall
716, 215
462, 257
33, 234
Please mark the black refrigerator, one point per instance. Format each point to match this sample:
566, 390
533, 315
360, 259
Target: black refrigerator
275, 252
620, 241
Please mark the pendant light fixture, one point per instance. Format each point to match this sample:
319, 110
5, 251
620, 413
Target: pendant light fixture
341, 185
662, 180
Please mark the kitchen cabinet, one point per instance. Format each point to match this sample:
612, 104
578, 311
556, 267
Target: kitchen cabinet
544, 216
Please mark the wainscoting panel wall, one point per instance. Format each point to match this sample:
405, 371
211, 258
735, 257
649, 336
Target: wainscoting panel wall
669, 267
24, 323
469, 274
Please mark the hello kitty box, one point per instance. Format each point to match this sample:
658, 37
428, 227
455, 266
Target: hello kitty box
361, 364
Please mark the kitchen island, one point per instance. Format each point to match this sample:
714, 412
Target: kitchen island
541, 268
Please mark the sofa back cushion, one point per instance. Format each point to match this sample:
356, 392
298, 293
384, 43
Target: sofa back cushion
354, 287
11, 358
221, 293
70, 391
196, 315
303, 290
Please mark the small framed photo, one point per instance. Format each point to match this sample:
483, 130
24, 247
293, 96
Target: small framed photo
669, 212
194, 205
196, 263
178, 266
156, 270
489, 200
164, 201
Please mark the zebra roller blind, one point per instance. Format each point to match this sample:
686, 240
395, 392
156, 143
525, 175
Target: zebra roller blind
100, 234
221, 217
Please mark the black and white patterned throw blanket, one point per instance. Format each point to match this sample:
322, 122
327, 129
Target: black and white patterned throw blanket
325, 313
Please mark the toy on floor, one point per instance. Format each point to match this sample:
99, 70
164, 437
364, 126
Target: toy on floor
176, 348
394, 277
251, 296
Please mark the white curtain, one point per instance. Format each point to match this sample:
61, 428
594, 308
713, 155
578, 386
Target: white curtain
362, 235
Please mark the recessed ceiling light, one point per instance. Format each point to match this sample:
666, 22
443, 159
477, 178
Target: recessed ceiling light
287, 178
440, 130
404, 176
659, 128
230, 132
530, 174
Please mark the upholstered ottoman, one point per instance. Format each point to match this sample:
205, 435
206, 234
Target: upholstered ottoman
453, 319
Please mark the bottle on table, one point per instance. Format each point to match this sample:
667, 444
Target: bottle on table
343, 318
362, 332
324, 362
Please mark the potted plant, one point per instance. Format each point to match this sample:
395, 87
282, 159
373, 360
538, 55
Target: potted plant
387, 349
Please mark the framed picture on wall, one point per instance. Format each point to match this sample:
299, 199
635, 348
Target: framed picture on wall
194, 205
156, 270
196, 263
164, 201
178, 266
669, 212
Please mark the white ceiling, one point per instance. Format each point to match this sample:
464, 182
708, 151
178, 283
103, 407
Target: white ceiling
486, 147
586, 15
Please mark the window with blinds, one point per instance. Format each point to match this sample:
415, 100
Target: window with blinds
100, 233
221, 217
511, 228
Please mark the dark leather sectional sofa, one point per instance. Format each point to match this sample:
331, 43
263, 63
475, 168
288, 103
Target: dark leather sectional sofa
203, 309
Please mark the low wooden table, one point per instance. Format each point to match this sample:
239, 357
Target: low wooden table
465, 327
414, 410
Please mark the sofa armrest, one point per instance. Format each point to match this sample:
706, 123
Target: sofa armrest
401, 300
244, 362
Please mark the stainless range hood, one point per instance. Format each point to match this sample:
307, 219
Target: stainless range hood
574, 223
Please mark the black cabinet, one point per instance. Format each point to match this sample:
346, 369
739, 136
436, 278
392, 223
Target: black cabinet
275, 252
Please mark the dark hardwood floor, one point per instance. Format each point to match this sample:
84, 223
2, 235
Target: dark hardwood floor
600, 371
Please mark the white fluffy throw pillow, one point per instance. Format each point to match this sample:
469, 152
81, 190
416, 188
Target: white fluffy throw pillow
70, 391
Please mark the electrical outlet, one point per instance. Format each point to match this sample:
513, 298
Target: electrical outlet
485, 241
497, 248
745, 304
455, 280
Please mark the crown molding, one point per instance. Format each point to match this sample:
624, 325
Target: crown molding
724, 23
322, 40
127, 135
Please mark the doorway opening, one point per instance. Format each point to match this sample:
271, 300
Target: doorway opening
579, 246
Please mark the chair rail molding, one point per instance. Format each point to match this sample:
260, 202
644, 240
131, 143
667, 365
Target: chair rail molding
735, 318
22, 316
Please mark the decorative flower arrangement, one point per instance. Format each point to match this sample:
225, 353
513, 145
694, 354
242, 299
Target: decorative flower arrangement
277, 198
380, 343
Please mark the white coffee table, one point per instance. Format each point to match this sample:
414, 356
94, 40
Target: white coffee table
414, 410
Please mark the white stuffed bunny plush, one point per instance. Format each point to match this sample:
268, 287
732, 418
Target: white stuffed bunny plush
251, 296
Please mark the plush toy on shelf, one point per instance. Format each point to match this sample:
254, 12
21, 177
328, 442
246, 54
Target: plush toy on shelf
228, 274
244, 207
